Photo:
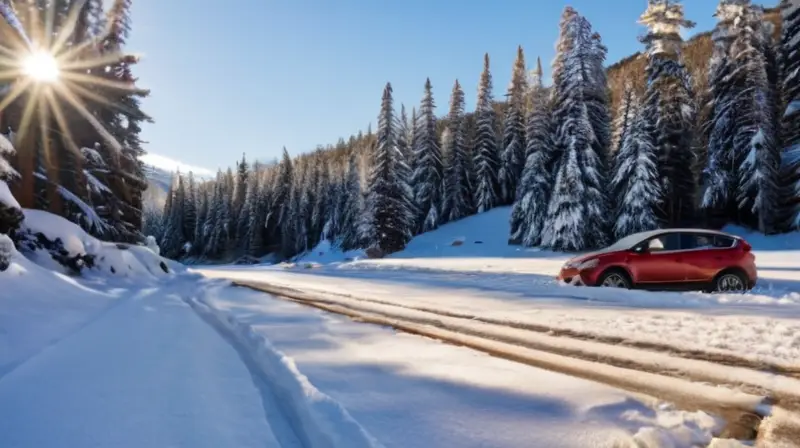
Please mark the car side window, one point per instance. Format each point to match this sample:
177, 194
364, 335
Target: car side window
725, 242
699, 241
663, 243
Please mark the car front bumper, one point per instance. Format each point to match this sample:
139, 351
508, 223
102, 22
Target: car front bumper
570, 277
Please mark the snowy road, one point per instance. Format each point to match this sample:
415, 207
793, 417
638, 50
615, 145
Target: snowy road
146, 373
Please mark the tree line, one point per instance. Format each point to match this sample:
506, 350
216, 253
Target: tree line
576, 174
77, 140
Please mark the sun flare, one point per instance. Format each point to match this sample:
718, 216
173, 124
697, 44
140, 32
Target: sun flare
41, 66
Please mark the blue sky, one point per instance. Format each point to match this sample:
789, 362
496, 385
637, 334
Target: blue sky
256, 75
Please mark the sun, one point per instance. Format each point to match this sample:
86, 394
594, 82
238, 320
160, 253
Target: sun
41, 66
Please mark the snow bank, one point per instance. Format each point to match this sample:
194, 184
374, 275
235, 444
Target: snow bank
38, 307
114, 258
325, 422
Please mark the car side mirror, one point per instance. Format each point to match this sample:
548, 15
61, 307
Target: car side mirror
640, 249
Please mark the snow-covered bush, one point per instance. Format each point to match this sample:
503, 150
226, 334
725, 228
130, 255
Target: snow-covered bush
6, 251
150, 243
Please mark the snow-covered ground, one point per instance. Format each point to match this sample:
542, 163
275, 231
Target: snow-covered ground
493, 280
409, 391
139, 352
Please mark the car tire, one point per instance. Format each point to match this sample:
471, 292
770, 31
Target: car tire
615, 278
731, 281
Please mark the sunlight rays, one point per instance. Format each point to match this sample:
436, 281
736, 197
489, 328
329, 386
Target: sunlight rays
48, 69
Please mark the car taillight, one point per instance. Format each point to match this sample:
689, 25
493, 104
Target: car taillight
745, 246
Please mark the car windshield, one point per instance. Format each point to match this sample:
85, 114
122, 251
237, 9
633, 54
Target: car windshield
627, 242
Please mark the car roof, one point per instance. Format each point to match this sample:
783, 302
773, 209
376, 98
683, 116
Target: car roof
652, 233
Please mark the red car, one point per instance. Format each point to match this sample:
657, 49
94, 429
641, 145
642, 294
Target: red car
685, 259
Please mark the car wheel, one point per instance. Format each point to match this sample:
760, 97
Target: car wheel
730, 282
615, 279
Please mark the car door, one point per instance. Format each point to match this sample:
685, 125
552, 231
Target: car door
660, 263
705, 255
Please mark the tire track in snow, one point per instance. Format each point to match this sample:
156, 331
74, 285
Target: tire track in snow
727, 359
728, 392
314, 419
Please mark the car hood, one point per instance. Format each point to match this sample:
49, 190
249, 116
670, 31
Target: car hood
584, 257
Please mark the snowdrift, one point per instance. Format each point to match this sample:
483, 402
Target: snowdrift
123, 260
42, 301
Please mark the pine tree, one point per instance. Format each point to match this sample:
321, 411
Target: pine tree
190, 209
386, 207
244, 230
240, 187
173, 240
487, 159
353, 208
790, 120
276, 221
200, 227
670, 105
635, 182
756, 134
625, 117
741, 178
578, 211
458, 190
429, 170
513, 152
629, 110
530, 210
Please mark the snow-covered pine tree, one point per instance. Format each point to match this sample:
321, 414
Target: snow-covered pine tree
404, 135
669, 104
578, 211
256, 230
718, 175
635, 182
322, 190
530, 210
755, 141
336, 202
10, 212
243, 230
353, 208
281, 198
626, 114
513, 144
458, 190
790, 120
429, 169
172, 242
200, 230
240, 186
190, 208
485, 151
743, 158
390, 218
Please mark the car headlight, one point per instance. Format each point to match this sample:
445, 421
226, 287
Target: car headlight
589, 264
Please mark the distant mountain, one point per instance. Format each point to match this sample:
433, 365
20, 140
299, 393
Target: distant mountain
158, 182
